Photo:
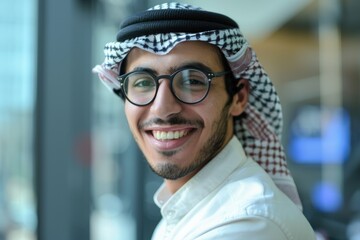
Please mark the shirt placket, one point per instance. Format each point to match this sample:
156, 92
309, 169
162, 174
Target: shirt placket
171, 219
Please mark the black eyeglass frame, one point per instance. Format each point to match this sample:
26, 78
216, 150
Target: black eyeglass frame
210, 75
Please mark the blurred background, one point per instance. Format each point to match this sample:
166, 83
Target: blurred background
69, 168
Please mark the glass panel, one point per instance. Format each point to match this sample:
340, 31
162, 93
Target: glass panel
17, 94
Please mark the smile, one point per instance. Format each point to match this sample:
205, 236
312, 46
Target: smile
169, 135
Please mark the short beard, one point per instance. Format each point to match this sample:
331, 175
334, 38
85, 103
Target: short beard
207, 152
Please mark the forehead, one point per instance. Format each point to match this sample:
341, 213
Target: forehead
183, 53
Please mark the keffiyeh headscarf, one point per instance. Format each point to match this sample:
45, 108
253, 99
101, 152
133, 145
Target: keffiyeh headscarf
161, 28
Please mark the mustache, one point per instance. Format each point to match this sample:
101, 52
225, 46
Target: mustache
175, 120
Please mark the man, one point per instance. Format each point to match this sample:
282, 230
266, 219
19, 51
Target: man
208, 120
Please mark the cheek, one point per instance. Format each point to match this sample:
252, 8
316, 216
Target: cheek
210, 114
213, 108
213, 113
132, 114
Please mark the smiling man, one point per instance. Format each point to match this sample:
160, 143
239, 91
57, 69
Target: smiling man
208, 120
174, 129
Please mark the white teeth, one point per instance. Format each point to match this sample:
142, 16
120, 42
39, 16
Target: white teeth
170, 135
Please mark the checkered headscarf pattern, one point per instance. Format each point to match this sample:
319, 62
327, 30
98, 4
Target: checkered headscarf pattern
259, 130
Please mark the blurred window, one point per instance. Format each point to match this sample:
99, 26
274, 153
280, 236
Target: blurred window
17, 94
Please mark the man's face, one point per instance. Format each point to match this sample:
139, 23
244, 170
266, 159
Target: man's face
178, 139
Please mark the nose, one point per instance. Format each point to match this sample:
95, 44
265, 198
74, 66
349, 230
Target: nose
165, 103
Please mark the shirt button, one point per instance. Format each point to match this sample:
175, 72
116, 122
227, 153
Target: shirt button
171, 213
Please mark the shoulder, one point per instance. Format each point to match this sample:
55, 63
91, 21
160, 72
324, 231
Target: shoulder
248, 203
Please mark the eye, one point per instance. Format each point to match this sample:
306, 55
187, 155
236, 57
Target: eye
192, 80
140, 82
144, 83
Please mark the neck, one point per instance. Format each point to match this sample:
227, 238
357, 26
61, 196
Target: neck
175, 185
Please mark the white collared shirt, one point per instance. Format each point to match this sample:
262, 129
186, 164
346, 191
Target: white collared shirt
232, 197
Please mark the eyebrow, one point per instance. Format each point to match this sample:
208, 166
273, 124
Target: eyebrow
196, 65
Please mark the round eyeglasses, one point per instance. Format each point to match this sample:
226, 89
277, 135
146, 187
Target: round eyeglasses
189, 85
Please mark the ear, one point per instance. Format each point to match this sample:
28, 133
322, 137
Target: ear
240, 98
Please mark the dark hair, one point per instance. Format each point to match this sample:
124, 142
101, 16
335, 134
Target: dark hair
230, 81
121, 72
